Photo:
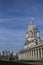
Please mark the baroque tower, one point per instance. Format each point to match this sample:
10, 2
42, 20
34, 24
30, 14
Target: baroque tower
32, 35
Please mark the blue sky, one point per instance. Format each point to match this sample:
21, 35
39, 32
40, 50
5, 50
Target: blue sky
15, 16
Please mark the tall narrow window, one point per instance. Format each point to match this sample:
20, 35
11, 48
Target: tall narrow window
36, 42
34, 32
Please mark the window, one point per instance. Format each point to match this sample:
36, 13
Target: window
33, 34
36, 42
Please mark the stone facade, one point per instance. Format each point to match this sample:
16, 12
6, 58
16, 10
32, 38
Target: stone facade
33, 47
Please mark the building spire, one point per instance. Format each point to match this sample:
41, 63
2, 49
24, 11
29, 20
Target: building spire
32, 21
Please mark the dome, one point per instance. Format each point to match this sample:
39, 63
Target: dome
32, 26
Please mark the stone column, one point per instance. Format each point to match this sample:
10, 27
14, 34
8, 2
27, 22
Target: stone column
27, 55
24, 56
35, 54
38, 54
41, 53
31, 54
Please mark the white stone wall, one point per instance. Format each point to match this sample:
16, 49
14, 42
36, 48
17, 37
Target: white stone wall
21, 56
29, 45
25, 47
38, 34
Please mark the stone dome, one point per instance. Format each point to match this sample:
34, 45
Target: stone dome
32, 26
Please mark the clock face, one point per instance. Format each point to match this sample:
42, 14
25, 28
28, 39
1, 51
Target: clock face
26, 35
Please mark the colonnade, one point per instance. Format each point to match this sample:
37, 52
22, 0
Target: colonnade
35, 54
32, 54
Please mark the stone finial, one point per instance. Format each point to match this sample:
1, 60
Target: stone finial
32, 21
